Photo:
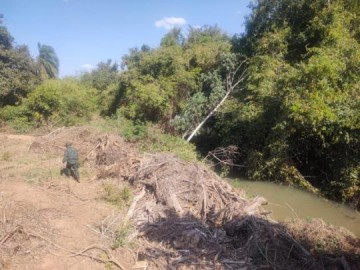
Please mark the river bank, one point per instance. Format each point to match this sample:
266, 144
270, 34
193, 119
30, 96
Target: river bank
287, 202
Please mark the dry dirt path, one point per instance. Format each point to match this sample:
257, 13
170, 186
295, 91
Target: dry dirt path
45, 218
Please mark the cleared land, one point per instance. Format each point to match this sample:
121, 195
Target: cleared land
142, 210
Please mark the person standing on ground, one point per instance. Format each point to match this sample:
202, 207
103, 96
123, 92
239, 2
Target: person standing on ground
71, 157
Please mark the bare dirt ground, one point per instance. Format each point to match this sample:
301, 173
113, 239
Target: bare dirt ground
47, 218
180, 215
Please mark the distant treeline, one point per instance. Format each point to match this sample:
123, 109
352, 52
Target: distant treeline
289, 90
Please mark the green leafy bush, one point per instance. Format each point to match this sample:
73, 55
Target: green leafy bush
54, 102
158, 141
149, 137
18, 117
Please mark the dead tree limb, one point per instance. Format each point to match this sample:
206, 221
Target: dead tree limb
130, 212
233, 79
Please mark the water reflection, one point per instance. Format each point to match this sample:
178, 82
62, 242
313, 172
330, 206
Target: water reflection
287, 202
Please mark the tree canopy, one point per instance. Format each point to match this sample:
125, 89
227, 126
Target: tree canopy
17, 70
298, 119
285, 92
48, 62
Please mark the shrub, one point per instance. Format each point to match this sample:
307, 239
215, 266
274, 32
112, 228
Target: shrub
157, 141
18, 117
54, 102
121, 237
150, 137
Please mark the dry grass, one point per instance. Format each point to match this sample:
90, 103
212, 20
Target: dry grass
321, 238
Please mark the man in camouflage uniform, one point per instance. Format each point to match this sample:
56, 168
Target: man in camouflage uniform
71, 158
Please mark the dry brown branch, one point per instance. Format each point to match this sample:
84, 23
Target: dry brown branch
3, 216
255, 205
81, 253
175, 203
9, 234
292, 210
104, 249
130, 212
54, 132
96, 231
224, 156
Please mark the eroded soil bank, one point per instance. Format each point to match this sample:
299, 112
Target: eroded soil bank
181, 215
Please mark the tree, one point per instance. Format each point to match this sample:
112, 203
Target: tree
298, 115
105, 74
6, 40
174, 37
48, 62
52, 103
17, 70
235, 74
203, 47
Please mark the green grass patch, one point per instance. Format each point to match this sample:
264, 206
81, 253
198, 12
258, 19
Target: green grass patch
121, 237
148, 136
157, 141
6, 156
119, 197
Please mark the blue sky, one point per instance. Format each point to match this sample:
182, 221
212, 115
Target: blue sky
85, 32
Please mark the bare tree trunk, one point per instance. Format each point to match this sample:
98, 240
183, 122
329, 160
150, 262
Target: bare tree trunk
230, 86
208, 116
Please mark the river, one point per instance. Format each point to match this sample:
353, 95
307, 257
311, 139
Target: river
290, 202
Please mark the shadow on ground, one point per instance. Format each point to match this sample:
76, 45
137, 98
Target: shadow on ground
249, 242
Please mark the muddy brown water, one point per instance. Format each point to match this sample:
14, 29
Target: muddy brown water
289, 202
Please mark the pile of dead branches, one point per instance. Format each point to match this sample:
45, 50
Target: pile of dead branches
186, 217
225, 157
269, 244
83, 139
107, 153
112, 157
194, 214
189, 189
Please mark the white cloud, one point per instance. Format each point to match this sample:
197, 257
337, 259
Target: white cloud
87, 67
169, 23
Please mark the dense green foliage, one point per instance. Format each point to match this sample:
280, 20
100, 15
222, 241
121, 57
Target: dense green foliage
19, 73
105, 79
160, 84
47, 62
54, 102
295, 118
293, 109
17, 70
148, 136
298, 120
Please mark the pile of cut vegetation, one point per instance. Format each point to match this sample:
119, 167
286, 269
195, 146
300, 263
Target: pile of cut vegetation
186, 217
83, 138
91, 144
